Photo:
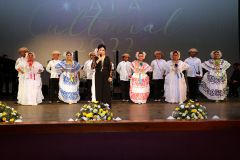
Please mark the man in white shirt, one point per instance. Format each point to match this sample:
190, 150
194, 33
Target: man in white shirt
158, 66
194, 73
54, 77
125, 72
88, 71
22, 52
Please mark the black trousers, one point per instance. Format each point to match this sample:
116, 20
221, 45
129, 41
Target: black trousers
89, 89
158, 90
53, 88
125, 85
193, 87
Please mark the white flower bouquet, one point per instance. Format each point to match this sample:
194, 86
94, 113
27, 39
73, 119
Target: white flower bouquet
94, 111
190, 111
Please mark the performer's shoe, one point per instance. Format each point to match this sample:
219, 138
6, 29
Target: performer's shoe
50, 102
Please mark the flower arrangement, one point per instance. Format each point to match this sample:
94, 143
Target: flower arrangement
94, 111
190, 111
8, 114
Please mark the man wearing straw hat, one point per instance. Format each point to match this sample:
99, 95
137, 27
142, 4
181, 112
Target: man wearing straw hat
124, 70
194, 73
158, 66
54, 77
88, 72
22, 52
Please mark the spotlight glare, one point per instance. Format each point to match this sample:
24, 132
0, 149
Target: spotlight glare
66, 6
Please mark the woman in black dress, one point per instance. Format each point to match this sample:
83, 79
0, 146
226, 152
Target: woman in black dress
103, 75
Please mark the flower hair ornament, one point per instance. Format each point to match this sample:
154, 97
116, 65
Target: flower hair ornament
144, 54
175, 51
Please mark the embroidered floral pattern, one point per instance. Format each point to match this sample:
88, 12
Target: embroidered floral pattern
212, 92
214, 79
69, 96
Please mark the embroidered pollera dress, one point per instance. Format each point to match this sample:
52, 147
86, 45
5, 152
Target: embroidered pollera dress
175, 85
214, 82
31, 89
139, 83
68, 81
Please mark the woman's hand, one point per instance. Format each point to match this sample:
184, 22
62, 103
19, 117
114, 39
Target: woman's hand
39, 71
99, 59
110, 79
21, 71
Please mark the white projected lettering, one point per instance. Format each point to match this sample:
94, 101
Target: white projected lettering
94, 22
123, 25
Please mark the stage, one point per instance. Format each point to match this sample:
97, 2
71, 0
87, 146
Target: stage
151, 116
143, 133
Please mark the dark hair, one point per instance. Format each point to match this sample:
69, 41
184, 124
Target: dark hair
236, 64
101, 46
68, 52
175, 52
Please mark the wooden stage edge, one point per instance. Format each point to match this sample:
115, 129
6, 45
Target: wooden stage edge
119, 126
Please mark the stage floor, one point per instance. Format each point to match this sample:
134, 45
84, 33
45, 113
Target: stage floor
151, 117
61, 112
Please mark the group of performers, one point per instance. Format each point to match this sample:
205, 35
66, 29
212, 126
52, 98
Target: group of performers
168, 77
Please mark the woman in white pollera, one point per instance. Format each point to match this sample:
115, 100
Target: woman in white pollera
31, 93
214, 82
175, 85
